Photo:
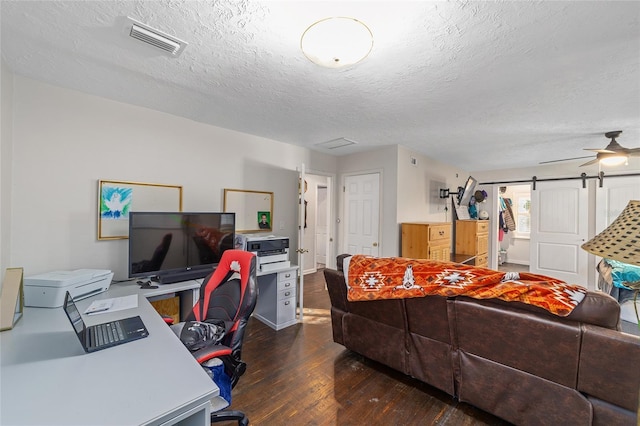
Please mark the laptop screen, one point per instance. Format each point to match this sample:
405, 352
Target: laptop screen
73, 314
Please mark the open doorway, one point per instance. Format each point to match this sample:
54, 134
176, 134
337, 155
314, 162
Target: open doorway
514, 206
317, 223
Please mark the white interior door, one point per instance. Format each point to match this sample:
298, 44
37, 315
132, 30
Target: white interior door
301, 249
362, 215
322, 225
559, 213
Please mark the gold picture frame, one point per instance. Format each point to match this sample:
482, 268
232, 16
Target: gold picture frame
11, 298
250, 207
117, 198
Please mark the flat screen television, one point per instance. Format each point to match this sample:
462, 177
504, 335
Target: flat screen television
171, 247
466, 192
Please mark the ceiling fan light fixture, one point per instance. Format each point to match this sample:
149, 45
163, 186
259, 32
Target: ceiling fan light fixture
337, 42
614, 160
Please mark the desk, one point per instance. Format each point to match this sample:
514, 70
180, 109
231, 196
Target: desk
47, 378
189, 292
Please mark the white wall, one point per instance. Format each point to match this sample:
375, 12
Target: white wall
420, 179
419, 184
6, 154
65, 141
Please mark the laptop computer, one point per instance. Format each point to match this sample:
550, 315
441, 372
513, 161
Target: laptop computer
105, 335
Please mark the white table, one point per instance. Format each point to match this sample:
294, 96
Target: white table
189, 292
46, 377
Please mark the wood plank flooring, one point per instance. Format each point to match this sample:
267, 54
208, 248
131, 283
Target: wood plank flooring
299, 376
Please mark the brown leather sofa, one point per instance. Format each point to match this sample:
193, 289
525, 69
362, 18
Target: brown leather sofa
513, 360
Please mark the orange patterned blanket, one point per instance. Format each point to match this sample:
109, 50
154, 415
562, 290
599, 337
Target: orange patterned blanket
374, 278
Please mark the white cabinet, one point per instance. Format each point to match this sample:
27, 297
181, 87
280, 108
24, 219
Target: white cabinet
276, 305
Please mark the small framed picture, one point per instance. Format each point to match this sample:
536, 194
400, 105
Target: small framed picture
264, 220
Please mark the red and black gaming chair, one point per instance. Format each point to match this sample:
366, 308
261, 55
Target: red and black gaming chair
228, 294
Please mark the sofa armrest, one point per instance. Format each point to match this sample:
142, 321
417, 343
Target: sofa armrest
337, 288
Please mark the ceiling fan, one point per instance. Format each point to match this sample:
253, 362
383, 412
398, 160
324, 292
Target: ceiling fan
613, 154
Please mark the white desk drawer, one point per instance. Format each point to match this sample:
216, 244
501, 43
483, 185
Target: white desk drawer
287, 275
286, 294
286, 310
286, 285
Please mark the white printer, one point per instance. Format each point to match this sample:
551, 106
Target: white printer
272, 251
48, 290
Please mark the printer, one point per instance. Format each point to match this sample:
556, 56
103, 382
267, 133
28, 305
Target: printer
272, 251
48, 290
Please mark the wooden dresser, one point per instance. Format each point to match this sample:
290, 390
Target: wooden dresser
472, 238
426, 240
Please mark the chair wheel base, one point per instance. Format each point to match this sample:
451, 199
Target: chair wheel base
228, 415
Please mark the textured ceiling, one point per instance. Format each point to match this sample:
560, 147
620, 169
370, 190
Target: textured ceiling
479, 85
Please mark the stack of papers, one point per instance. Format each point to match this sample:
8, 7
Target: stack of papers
112, 305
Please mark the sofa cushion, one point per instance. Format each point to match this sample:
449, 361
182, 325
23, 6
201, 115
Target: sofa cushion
605, 414
375, 340
609, 366
596, 308
547, 347
427, 316
518, 397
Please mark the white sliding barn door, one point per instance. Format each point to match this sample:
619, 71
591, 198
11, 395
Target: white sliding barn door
613, 197
559, 212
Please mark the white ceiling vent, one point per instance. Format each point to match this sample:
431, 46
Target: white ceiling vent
156, 38
336, 143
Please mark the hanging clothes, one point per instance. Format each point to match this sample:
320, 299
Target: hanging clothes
509, 218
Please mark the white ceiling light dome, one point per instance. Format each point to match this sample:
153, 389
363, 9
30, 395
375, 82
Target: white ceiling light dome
337, 42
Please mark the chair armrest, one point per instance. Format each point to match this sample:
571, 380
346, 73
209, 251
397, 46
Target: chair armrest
213, 351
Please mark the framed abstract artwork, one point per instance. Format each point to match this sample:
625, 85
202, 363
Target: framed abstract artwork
116, 199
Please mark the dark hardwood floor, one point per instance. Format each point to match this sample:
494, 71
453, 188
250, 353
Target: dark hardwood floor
299, 376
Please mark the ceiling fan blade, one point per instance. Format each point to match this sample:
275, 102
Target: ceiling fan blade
601, 151
588, 163
564, 159
633, 151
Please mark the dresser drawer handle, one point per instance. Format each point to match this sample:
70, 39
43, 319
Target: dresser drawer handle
287, 293
440, 232
287, 285
287, 302
287, 275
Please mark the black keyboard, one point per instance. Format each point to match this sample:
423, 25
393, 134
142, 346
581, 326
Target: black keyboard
105, 334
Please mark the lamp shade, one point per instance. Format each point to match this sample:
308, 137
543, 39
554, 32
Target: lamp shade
621, 240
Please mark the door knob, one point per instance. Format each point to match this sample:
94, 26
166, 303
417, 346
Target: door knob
375, 244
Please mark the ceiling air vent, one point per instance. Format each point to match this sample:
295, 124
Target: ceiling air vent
336, 143
156, 38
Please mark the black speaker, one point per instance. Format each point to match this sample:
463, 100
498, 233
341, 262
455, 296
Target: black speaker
177, 277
